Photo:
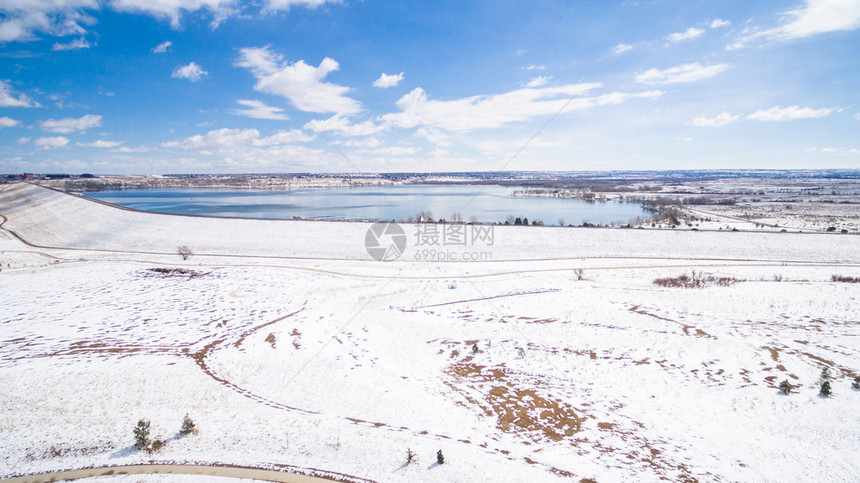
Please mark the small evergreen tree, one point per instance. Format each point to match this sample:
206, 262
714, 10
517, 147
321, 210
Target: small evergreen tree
187, 426
410, 456
825, 389
856, 383
440, 458
141, 434
785, 387
825, 373
474, 348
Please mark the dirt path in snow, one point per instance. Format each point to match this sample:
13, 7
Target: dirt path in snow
176, 469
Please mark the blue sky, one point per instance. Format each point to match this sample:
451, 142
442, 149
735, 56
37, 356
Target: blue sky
206, 86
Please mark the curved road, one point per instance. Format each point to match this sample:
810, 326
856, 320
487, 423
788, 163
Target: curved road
187, 469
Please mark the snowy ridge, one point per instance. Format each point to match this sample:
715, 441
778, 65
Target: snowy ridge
50, 218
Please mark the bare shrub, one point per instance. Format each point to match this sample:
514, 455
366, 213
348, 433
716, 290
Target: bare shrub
155, 446
726, 281
172, 272
184, 252
579, 274
696, 280
844, 279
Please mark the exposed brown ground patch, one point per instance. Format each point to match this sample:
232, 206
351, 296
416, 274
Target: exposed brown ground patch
518, 409
687, 328
774, 353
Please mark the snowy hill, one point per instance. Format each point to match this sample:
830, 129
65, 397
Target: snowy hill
555, 357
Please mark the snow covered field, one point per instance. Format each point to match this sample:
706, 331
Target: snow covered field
288, 345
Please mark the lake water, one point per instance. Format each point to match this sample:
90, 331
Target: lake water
486, 203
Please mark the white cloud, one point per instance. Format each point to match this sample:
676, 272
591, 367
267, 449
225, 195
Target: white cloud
259, 110
814, 17
718, 22
285, 137
779, 114
174, 9
80, 43
276, 5
685, 139
162, 47
536, 67
359, 143
126, 149
101, 143
8, 122
225, 140
342, 125
246, 147
433, 135
679, 74
539, 81
22, 19
395, 150
70, 124
494, 111
817, 17
841, 151
23, 140
498, 147
386, 80
621, 48
192, 72
720, 120
300, 83
51, 142
9, 98
689, 34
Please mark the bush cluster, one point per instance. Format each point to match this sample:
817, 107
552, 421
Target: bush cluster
696, 280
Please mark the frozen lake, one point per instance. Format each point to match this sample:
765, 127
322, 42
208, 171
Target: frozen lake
485, 203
